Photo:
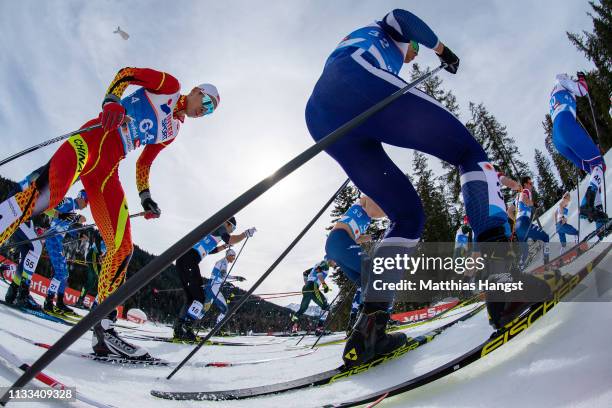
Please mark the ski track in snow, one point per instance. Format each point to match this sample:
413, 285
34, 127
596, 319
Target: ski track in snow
564, 360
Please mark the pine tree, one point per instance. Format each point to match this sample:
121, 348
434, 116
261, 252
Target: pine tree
547, 183
597, 47
438, 224
433, 87
499, 146
566, 170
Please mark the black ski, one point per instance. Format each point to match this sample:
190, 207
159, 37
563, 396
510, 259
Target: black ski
323, 378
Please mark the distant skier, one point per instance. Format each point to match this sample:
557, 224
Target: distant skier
218, 276
561, 224
188, 269
575, 144
93, 258
19, 289
463, 239
359, 73
151, 117
314, 280
525, 228
63, 218
122, 33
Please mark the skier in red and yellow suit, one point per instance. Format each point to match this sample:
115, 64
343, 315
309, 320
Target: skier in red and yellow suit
150, 116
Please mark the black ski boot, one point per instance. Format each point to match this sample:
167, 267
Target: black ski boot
11, 293
48, 306
61, 306
105, 341
183, 330
588, 209
368, 338
24, 299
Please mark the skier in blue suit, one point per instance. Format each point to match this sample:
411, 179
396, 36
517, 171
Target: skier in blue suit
361, 71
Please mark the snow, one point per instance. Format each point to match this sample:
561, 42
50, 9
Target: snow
563, 360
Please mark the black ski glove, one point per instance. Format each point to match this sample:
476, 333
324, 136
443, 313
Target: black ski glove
450, 60
151, 208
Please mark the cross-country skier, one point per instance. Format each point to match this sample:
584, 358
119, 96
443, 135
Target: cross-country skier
314, 280
463, 238
362, 71
574, 143
561, 224
63, 218
218, 276
150, 117
19, 289
93, 260
525, 229
188, 269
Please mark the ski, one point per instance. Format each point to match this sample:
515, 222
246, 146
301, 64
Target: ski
47, 380
38, 313
497, 339
319, 379
157, 362
196, 341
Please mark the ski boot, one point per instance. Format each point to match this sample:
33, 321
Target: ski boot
588, 209
24, 299
48, 306
105, 341
183, 331
63, 309
369, 339
11, 293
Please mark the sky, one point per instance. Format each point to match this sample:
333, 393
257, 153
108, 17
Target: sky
57, 59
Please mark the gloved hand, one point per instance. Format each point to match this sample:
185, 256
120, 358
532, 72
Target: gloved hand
450, 60
112, 114
250, 232
325, 288
151, 208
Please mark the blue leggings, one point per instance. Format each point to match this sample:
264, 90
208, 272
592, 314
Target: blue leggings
343, 249
574, 143
526, 230
60, 269
348, 87
563, 230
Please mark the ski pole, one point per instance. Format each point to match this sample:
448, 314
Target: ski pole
578, 200
47, 143
598, 146
330, 320
161, 262
321, 315
54, 233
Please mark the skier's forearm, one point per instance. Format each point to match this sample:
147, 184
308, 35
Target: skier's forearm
144, 162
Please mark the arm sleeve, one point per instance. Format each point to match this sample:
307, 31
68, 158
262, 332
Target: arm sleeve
143, 164
403, 26
150, 79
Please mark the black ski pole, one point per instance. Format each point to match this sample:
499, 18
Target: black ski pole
599, 147
330, 319
161, 262
233, 310
54, 233
47, 143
